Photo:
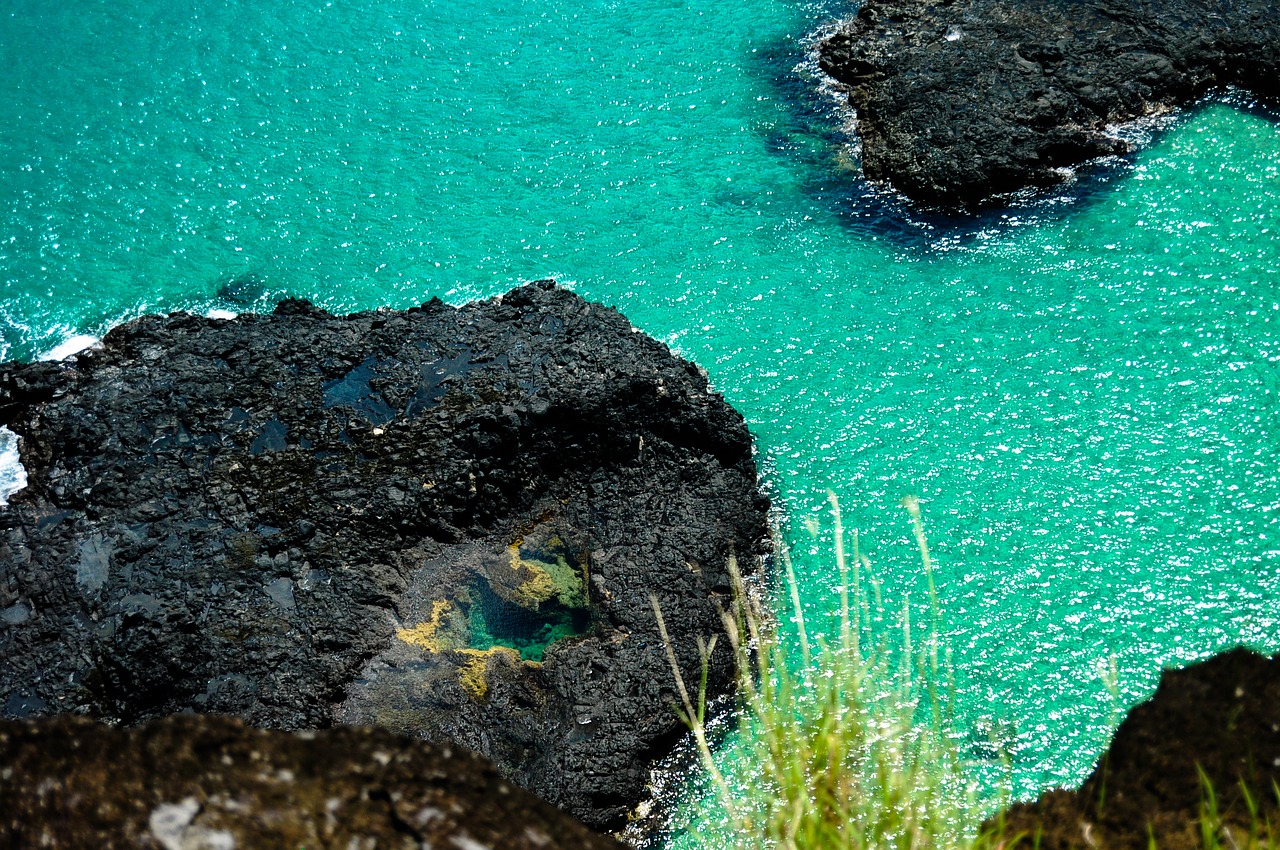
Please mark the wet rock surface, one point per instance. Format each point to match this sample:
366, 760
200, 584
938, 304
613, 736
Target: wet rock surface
1221, 716
446, 521
963, 100
193, 781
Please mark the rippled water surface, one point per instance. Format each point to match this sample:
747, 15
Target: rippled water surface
1082, 391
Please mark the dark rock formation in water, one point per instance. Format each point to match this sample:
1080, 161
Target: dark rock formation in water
241, 289
193, 781
444, 521
1221, 716
961, 100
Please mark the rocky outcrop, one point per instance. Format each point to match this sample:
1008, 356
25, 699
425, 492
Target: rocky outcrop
193, 782
963, 100
1222, 717
443, 521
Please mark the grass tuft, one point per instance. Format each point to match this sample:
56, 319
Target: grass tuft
1217, 834
852, 746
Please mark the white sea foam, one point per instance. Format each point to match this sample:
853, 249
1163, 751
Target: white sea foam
68, 347
13, 476
220, 314
1141, 132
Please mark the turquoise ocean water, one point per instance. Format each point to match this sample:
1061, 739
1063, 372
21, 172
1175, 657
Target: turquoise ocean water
1082, 390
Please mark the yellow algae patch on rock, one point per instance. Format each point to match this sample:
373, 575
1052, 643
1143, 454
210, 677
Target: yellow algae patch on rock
433, 634
472, 675
531, 592
547, 577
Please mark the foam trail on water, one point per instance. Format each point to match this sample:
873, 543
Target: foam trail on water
13, 475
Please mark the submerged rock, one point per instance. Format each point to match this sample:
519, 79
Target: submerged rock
193, 781
445, 521
1222, 717
963, 100
241, 289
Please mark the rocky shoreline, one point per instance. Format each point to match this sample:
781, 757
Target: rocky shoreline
442, 523
447, 522
962, 102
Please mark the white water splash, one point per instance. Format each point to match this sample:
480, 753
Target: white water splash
13, 475
70, 346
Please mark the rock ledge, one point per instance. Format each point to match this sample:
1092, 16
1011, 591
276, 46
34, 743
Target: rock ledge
189, 782
1222, 717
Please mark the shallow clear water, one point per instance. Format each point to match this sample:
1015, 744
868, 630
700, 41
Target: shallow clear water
1082, 391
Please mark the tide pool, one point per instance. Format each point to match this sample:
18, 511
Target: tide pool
1082, 390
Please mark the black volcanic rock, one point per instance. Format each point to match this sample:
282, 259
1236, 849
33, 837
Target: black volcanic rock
1220, 717
445, 521
961, 100
194, 781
